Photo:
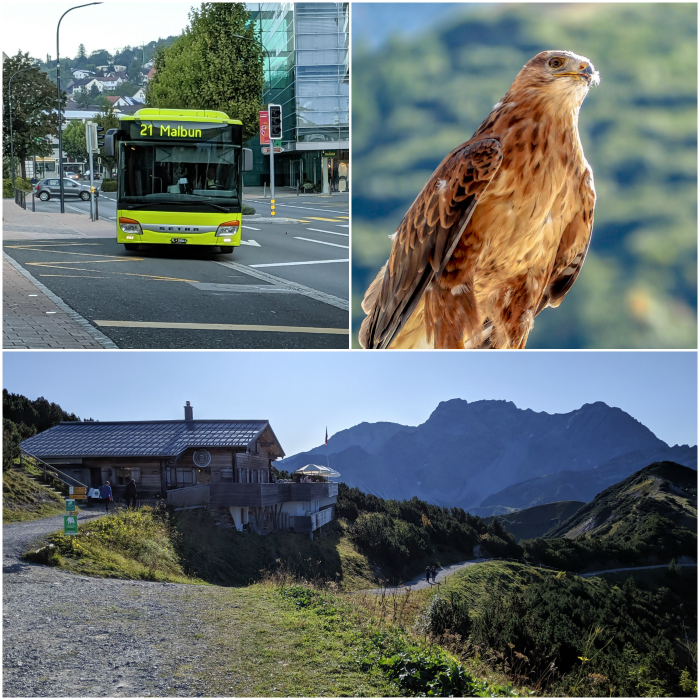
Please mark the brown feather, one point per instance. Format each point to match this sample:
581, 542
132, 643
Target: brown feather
501, 229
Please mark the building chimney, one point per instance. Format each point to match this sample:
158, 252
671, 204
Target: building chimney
188, 411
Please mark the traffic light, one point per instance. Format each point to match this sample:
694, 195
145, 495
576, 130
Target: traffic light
275, 117
100, 136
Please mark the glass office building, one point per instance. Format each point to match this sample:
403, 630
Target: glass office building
307, 72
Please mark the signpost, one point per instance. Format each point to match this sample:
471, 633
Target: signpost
70, 524
78, 492
70, 505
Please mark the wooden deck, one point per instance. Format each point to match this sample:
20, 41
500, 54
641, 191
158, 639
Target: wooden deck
309, 523
261, 495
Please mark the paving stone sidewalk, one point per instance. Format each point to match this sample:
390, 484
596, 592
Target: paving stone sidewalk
33, 316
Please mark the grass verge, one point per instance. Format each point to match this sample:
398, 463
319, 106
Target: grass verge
24, 499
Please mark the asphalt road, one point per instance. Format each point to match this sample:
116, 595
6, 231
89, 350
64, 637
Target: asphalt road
286, 286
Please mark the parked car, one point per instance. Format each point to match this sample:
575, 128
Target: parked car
71, 175
51, 187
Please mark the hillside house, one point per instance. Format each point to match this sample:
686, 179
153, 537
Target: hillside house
223, 464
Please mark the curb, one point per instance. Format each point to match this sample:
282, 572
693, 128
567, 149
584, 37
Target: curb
85, 325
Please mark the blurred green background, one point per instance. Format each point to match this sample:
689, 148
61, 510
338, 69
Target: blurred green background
422, 84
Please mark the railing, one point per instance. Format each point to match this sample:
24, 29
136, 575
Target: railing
67, 480
189, 497
312, 521
21, 198
260, 495
249, 495
319, 489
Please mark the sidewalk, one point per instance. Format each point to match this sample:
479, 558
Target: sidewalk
33, 316
250, 192
24, 225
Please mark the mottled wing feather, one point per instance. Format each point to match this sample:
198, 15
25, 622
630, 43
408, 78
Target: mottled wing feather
426, 239
572, 247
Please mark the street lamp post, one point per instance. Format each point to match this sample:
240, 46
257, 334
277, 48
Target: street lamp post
12, 143
58, 83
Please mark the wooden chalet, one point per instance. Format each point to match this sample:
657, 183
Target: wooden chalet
222, 464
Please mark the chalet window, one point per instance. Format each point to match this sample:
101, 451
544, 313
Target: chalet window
125, 474
184, 477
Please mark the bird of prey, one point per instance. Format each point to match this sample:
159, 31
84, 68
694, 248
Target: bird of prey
500, 230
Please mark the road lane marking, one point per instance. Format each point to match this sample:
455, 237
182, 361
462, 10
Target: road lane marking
66, 266
313, 240
250, 288
335, 233
220, 327
303, 262
320, 218
344, 225
316, 294
252, 228
294, 206
251, 242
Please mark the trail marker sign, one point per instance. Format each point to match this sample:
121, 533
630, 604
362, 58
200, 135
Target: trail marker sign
70, 524
70, 504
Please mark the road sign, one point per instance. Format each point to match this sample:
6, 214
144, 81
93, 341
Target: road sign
264, 127
70, 524
266, 150
70, 504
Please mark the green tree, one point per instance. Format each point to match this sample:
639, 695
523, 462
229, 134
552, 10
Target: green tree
108, 120
207, 67
74, 143
82, 55
83, 98
134, 70
34, 116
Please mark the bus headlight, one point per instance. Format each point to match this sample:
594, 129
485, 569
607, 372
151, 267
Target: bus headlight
228, 228
129, 225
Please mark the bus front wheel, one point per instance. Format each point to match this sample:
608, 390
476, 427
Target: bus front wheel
226, 249
131, 246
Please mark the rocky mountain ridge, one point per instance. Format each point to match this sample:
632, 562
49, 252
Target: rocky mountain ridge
466, 452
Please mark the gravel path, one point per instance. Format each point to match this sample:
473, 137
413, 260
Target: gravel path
73, 636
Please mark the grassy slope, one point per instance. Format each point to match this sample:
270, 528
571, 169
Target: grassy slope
24, 499
536, 521
310, 644
665, 488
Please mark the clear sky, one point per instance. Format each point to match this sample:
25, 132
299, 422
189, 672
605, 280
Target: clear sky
31, 26
303, 392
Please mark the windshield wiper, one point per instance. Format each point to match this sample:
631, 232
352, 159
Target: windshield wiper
148, 204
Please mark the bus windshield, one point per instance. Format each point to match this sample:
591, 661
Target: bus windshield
187, 173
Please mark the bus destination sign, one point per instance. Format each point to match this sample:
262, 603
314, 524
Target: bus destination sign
180, 131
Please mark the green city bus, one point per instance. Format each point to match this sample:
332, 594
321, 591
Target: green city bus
180, 178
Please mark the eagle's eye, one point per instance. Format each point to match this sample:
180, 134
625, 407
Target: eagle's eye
556, 62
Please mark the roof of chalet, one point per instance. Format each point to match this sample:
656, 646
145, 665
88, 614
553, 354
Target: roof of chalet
165, 439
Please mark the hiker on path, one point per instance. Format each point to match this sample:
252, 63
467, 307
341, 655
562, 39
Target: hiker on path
106, 495
427, 573
130, 493
433, 571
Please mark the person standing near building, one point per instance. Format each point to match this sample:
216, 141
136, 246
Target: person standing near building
130, 494
106, 495
433, 571
427, 573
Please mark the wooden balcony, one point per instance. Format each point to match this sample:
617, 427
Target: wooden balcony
311, 522
261, 495
249, 495
307, 492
